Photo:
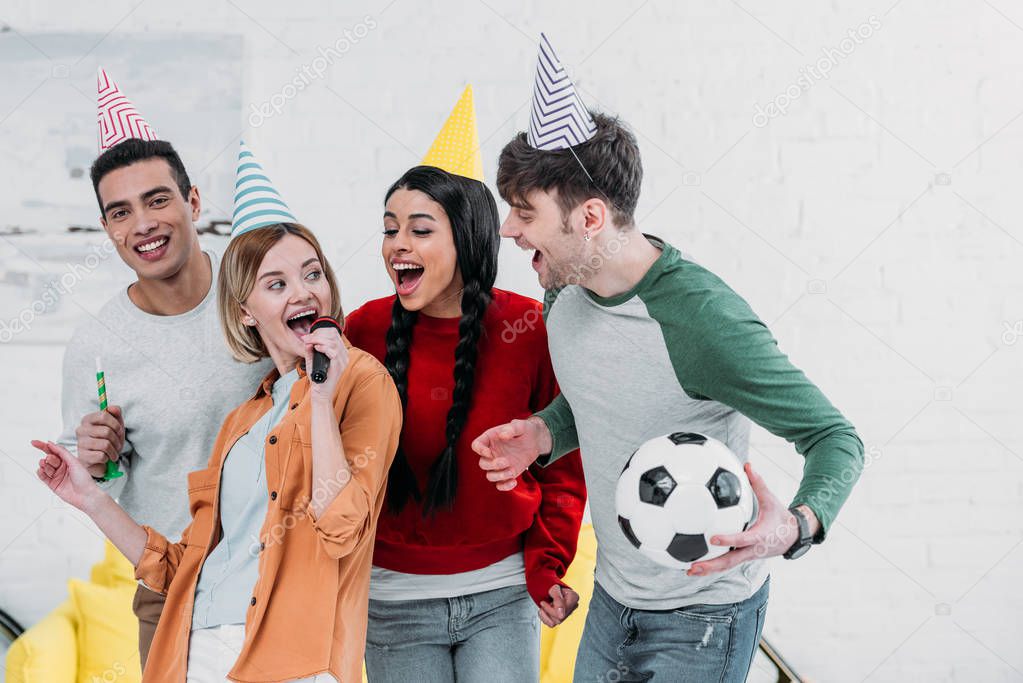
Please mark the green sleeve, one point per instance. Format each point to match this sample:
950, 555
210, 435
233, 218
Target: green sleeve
561, 422
720, 350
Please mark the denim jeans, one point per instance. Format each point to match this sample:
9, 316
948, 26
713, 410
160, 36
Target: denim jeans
488, 637
700, 643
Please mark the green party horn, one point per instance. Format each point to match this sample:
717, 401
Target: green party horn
101, 385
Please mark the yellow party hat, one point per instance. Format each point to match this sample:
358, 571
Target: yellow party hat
457, 147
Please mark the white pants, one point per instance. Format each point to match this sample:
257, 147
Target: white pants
213, 651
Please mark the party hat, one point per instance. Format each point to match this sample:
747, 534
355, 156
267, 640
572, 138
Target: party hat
117, 116
257, 203
558, 119
457, 147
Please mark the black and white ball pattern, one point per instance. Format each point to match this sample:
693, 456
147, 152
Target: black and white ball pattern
679, 490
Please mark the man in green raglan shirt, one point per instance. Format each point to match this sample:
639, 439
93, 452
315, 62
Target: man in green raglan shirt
644, 343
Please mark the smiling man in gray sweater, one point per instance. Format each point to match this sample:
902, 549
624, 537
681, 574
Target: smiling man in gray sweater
170, 378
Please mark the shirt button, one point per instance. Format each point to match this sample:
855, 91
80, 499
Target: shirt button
273, 495
253, 601
273, 439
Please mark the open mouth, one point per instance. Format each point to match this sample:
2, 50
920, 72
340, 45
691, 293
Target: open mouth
407, 277
537, 260
300, 322
152, 249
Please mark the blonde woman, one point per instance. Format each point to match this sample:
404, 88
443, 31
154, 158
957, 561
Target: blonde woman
270, 580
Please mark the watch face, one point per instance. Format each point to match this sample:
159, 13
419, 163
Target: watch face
798, 552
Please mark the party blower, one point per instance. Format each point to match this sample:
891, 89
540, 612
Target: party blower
112, 471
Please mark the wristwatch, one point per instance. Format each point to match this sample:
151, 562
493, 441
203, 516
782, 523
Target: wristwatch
804, 541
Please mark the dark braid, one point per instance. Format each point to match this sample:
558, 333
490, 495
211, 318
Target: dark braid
444, 473
475, 226
401, 481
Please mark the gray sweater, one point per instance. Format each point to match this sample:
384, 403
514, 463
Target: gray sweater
175, 380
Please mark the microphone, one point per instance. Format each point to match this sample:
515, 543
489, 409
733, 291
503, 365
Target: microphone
320, 361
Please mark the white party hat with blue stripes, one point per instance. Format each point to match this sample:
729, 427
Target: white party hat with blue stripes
257, 203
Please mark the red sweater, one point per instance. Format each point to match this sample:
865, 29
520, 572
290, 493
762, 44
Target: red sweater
513, 379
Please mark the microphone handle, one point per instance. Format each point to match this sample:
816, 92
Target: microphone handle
320, 365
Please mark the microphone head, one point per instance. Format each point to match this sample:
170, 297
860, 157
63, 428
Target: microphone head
325, 321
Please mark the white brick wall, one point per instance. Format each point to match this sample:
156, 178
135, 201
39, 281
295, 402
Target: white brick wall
872, 226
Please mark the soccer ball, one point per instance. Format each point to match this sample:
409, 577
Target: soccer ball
679, 490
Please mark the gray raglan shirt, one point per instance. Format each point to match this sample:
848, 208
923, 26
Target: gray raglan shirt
681, 351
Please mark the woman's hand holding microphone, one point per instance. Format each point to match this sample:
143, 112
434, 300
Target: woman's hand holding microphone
329, 461
325, 338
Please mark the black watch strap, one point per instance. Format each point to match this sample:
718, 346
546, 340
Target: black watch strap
804, 541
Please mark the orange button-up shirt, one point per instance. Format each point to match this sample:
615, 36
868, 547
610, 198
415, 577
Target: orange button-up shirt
309, 606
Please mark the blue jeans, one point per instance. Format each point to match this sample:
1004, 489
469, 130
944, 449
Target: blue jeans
699, 643
493, 637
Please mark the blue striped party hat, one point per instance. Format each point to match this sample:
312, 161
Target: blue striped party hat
558, 120
257, 203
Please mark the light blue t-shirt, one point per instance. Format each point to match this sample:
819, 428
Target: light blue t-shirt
229, 574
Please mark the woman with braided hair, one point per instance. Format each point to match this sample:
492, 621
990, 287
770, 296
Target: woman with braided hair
459, 568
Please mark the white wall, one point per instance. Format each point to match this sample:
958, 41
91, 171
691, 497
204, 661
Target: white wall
871, 226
